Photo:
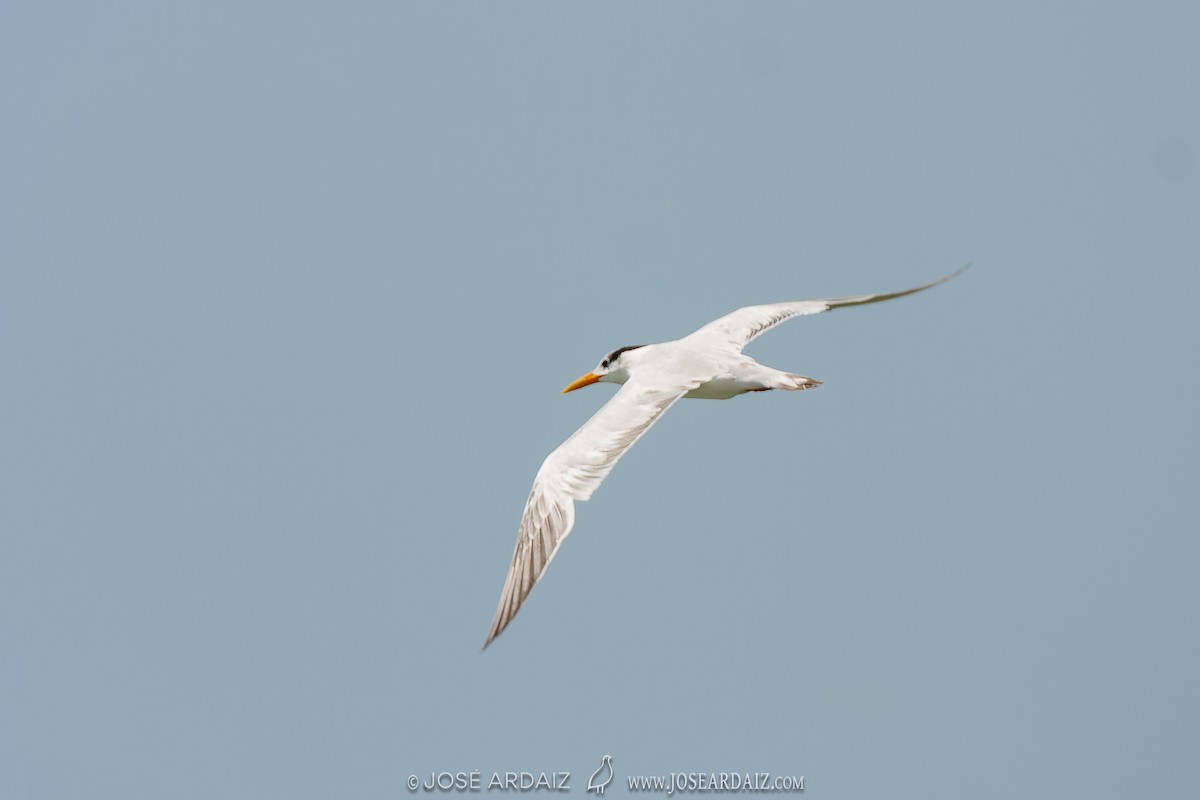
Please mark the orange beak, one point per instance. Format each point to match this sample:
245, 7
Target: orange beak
579, 383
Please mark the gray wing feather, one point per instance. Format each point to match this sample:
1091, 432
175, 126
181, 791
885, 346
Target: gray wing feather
746, 324
572, 472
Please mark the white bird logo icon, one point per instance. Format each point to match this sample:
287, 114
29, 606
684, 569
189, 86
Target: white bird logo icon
607, 771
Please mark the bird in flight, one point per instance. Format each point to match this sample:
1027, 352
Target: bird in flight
707, 364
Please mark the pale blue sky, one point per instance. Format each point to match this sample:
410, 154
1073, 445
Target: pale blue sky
288, 292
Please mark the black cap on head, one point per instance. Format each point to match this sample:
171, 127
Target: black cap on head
611, 357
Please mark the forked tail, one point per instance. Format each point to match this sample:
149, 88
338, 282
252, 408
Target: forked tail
798, 382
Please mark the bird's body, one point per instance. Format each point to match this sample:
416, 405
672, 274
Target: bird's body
706, 364
728, 375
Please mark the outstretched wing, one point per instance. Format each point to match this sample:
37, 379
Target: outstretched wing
746, 324
572, 472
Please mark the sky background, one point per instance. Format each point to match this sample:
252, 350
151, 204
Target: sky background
288, 292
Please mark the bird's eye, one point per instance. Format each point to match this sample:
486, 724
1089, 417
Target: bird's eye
604, 363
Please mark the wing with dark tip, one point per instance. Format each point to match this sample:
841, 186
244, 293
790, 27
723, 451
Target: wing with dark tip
572, 472
746, 324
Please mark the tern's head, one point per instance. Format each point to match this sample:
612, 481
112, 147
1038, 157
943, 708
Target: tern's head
613, 368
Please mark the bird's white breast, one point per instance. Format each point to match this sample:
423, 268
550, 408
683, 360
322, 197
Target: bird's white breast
721, 388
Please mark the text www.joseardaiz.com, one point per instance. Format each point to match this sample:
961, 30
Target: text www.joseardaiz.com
696, 782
